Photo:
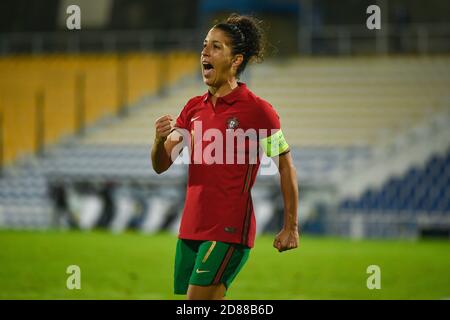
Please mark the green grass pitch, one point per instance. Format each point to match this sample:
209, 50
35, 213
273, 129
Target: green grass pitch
136, 266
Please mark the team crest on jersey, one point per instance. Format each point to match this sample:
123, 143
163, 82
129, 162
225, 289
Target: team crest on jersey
232, 123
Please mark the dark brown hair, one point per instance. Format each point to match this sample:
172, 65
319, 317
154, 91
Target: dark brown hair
247, 38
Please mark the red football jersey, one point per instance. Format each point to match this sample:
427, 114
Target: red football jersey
218, 203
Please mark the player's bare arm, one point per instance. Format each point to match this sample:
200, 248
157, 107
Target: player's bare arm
288, 237
165, 141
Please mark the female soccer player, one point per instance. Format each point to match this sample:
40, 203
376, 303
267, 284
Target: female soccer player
218, 225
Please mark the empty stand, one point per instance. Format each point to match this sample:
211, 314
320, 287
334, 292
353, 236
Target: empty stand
351, 101
419, 190
100, 85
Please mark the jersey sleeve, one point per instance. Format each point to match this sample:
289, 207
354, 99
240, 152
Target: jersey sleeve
272, 140
182, 120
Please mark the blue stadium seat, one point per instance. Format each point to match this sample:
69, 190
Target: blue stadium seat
419, 190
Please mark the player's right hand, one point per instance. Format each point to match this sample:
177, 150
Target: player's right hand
163, 127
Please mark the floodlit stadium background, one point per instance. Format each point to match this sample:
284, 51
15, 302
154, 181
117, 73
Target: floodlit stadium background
366, 113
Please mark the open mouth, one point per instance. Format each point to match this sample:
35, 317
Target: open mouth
208, 70
207, 66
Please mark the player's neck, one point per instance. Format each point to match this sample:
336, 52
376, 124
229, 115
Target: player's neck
223, 90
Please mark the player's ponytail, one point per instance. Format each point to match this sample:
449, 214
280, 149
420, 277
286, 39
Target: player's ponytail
247, 38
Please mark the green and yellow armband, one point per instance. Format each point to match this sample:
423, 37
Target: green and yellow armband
275, 144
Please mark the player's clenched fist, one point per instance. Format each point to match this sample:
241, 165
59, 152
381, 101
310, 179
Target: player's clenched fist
163, 127
286, 239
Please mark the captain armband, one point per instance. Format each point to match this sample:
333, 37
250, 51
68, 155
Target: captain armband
275, 144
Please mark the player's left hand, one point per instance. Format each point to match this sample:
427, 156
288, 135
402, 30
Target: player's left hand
286, 239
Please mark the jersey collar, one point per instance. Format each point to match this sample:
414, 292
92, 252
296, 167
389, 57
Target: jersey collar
237, 94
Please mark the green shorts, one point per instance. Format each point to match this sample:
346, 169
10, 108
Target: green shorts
205, 263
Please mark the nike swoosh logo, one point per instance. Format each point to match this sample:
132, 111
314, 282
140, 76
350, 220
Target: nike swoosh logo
193, 119
201, 271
